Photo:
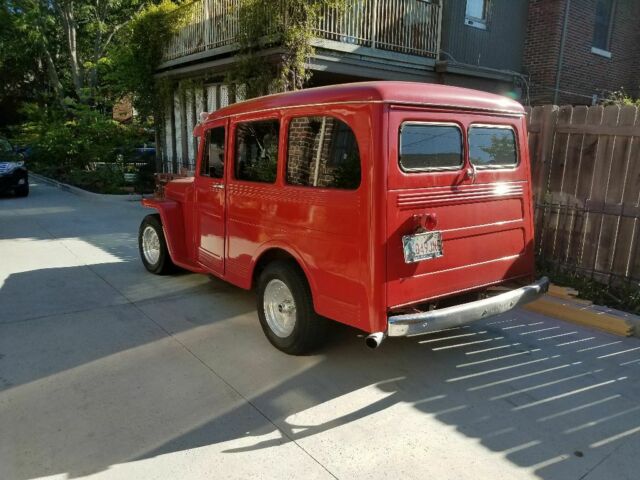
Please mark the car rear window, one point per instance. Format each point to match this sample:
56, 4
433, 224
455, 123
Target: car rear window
430, 147
492, 147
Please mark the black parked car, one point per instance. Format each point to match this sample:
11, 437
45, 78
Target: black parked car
14, 177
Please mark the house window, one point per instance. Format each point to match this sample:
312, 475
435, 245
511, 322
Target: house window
476, 13
603, 26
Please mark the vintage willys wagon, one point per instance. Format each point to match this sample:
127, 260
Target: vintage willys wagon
396, 208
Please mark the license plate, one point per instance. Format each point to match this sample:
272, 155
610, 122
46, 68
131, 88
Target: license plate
422, 246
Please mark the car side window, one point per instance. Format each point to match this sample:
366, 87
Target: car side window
256, 155
322, 152
213, 156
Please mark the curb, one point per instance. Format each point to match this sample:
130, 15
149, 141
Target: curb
582, 312
131, 197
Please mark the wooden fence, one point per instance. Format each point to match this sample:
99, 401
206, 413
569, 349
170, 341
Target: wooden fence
586, 179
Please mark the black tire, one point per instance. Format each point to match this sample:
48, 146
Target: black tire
163, 265
23, 190
309, 330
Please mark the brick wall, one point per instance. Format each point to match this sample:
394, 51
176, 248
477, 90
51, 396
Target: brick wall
303, 145
583, 73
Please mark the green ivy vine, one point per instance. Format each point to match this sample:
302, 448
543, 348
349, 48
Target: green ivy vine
286, 26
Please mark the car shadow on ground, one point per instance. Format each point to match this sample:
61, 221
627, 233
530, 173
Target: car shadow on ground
102, 364
532, 402
108, 386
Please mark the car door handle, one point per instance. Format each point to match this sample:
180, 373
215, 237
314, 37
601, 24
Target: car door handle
217, 186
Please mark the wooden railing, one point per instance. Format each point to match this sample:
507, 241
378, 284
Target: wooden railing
404, 26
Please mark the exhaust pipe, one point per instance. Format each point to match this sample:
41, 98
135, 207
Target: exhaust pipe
375, 339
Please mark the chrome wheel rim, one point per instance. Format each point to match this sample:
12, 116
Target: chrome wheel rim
279, 308
150, 245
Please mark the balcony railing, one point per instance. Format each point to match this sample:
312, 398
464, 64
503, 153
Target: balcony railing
404, 26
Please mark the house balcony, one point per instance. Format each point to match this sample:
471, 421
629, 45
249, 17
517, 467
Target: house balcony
378, 39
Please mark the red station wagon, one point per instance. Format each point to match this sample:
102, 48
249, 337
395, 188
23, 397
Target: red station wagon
396, 208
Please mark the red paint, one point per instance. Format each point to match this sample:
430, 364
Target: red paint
349, 243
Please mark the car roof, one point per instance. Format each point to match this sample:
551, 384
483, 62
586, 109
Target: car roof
408, 93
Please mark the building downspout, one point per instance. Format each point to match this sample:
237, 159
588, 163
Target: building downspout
563, 39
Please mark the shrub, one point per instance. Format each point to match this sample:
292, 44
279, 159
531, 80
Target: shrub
79, 145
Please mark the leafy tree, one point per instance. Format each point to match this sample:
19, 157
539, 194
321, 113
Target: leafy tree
62, 41
131, 64
29, 50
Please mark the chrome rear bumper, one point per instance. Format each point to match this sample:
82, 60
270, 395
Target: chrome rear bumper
425, 322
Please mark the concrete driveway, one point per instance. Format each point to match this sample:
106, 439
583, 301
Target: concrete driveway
107, 371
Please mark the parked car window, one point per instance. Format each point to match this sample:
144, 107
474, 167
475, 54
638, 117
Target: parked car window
322, 152
492, 147
426, 146
257, 151
213, 156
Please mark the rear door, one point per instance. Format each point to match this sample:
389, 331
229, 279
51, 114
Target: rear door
465, 178
210, 199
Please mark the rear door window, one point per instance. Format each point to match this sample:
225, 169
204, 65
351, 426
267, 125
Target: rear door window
429, 146
492, 147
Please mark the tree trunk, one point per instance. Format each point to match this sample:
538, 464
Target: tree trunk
65, 8
52, 73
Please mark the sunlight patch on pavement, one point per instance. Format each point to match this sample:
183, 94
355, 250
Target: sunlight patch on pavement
20, 255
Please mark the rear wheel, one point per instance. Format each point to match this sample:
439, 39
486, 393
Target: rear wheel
153, 246
285, 309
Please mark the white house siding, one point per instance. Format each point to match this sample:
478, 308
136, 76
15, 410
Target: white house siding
241, 92
186, 107
177, 109
224, 96
212, 98
168, 139
190, 111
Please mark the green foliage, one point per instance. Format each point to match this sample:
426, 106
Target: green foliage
283, 23
132, 63
27, 30
621, 98
104, 179
79, 145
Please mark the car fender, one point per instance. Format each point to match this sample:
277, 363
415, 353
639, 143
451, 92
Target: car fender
294, 253
172, 219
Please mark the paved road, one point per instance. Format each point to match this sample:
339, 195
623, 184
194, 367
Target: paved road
109, 372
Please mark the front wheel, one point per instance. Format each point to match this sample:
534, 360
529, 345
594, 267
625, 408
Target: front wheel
153, 246
285, 309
